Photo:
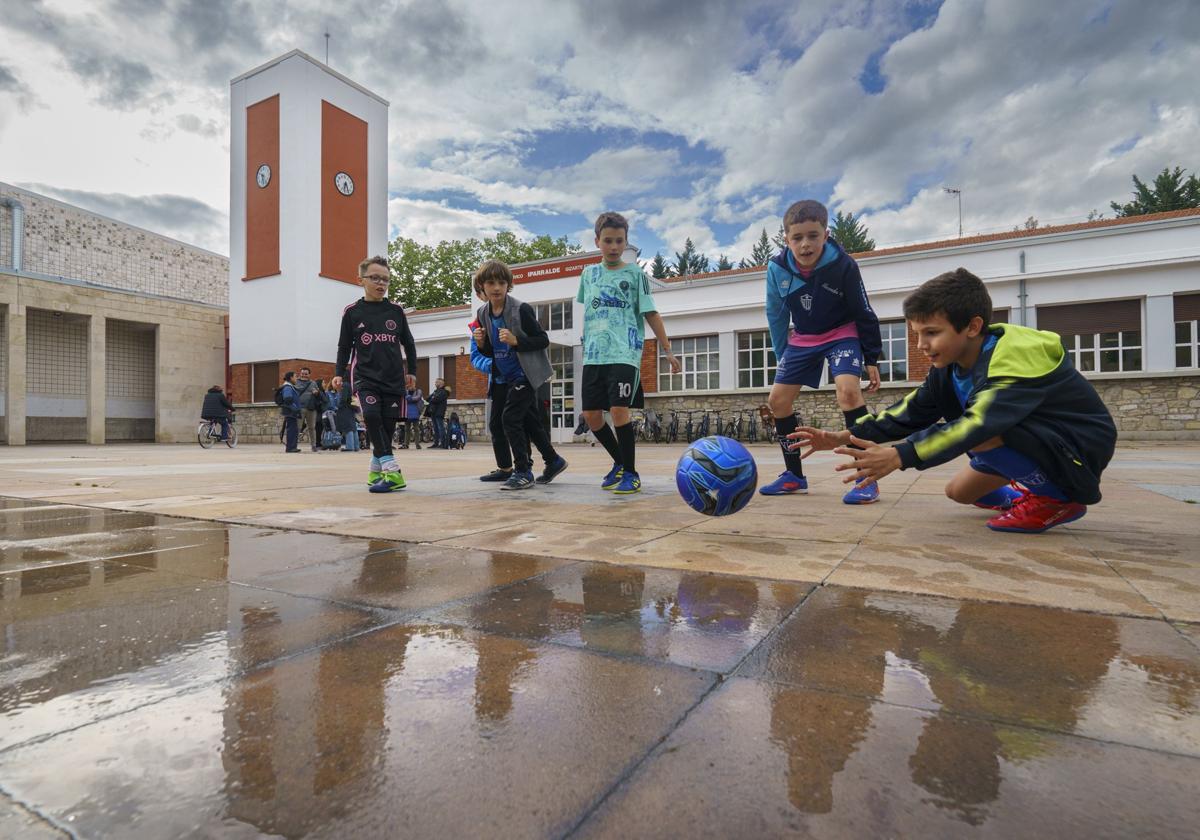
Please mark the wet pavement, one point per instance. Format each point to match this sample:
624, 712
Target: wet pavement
166, 676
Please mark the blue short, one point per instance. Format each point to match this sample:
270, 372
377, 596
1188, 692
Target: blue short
802, 365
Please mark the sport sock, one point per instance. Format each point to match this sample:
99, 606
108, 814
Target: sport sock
852, 416
375, 467
626, 442
1022, 469
388, 464
784, 426
609, 441
997, 498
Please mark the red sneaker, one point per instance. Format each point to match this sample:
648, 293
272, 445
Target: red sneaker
1033, 514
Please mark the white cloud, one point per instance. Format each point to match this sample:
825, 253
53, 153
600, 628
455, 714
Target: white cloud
430, 222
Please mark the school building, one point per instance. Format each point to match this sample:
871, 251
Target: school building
1123, 293
107, 332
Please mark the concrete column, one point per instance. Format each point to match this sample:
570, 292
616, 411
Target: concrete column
727, 348
96, 398
16, 385
1158, 337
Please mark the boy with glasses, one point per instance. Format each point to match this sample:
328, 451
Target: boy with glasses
373, 332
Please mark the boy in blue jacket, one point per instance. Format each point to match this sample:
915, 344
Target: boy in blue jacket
1006, 396
816, 286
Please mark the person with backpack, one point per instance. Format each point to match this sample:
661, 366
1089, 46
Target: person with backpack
414, 400
347, 422
288, 400
312, 403
436, 411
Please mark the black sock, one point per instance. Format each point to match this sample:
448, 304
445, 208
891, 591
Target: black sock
389, 433
626, 441
854, 415
609, 441
784, 426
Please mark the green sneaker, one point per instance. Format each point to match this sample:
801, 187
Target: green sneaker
373, 477
389, 482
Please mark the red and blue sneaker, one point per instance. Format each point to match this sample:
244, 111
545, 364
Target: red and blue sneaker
787, 484
862, 494
1033, 514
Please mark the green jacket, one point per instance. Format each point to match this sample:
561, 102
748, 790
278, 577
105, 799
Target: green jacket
1028, 393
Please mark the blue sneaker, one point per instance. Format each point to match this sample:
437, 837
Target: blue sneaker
862, 494
613, 478
787, 484
391, 480
630, 483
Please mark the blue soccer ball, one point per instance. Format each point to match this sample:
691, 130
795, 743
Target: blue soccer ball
717, 476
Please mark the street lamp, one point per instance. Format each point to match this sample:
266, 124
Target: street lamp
957, 192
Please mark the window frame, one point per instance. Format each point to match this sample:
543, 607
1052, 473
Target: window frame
549, 311
766, 370
685, 349
1095, 349
1191, 344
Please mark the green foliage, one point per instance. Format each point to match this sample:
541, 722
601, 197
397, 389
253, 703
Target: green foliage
762, 251
780, 237
723, 263
659, 269
849, 232
688, 261
1170, 191
429, 276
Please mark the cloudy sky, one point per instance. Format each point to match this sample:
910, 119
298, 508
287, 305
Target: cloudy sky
700, 118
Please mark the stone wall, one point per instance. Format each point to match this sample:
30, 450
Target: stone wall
65, 241
260, 423
1144, 406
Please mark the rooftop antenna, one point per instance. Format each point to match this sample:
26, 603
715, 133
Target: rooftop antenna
326, 48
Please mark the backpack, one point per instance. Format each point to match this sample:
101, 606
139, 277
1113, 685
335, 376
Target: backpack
279, 400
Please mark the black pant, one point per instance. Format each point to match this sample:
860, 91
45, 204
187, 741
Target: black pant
516, 407
291, 429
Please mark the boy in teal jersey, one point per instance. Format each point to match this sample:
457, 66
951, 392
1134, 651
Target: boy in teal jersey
617, 305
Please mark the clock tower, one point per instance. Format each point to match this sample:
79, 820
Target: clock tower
308, 202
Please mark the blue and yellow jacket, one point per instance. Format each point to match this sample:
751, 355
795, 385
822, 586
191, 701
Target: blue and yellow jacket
1027, 392
833, 296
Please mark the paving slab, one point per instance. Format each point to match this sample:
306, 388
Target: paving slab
765, 760
1128, 681
407, 731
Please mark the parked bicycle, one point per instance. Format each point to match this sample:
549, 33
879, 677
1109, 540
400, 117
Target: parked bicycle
209, 432
690, 431
673, 427
651, 426
705, 425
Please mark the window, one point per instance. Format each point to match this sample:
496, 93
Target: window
1101, 336
756, 360
893, 361
701, 365
1107, 352
264, 379
556, 315
1187, 344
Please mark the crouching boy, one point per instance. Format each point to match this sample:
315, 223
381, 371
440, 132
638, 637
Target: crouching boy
1004, 395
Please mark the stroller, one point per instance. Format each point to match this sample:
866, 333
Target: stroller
456, 435
331, 438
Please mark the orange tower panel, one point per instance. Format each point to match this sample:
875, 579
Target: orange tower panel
262, 189
343, 193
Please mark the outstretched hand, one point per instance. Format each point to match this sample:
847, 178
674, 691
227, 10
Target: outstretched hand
872, 461
816, 439
336, 383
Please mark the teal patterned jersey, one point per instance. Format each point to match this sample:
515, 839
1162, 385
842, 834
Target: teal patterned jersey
615, 304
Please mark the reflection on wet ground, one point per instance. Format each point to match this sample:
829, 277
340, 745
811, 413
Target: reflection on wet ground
165, 677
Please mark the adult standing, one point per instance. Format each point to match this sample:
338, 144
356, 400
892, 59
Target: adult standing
217, 407
413, 398
312, 403
437, 413
289, 407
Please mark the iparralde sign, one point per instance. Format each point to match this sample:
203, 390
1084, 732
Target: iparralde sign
567, 267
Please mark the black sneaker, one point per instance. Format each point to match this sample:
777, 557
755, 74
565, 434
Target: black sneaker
518, 481
496, 475
552, 470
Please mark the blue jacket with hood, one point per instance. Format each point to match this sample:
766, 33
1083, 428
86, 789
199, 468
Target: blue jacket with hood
831, 297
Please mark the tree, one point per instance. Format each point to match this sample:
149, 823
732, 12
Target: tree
659, 268
429, 276
688, 261
762, 251
723, 263
1029, 224
780, 238
849, 232
1171, 191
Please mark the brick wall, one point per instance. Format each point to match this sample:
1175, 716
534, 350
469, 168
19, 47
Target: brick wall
650, 366
65, 241
918, 362
239, 375
239, 383
470, 384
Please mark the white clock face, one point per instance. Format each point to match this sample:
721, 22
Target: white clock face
344, 183
264, 176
